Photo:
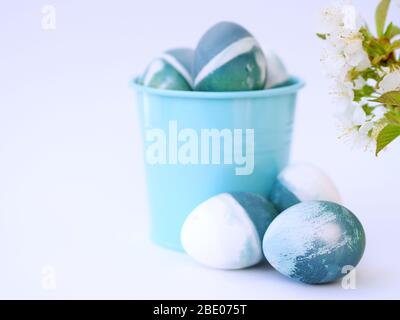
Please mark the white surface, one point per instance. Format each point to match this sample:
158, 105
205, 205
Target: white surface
72, 196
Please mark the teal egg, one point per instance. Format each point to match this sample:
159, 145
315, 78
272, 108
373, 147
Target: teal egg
171, 71
226, 231
314, 242
228, 58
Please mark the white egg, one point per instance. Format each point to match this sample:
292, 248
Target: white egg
226, 231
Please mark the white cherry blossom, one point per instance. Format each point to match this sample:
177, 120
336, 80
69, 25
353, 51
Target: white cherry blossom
344, 59
391, 82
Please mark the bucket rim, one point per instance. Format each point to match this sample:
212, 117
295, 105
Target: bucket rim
295, 84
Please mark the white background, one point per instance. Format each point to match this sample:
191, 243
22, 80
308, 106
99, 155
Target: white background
72, 190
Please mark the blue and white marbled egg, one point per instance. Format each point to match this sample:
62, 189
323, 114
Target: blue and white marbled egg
314, 241
226, 231
302, 182
171, 71
228, 58
277, 74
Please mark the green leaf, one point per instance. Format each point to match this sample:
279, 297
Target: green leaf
388, 30
322, 36
367, 109
395, 32
381, 15
395, 45
370, 73
392, 31
393, 117
388, 134
391, 98
365, 91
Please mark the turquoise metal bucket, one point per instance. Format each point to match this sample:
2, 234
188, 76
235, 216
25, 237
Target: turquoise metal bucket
200, 144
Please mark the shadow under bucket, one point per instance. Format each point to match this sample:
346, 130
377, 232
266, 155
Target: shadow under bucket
200, 144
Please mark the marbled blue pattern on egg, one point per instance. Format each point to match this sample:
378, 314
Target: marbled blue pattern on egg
302, 182
313, 241
226, 231
215, 40
228, 58
259, 209
185, 57
171, 71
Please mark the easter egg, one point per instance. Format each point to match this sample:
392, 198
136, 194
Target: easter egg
302, 182
171, 71
314, 242
226, 231
277, 74
229, 58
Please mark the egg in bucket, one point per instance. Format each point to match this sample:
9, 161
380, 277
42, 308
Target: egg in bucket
198, 144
